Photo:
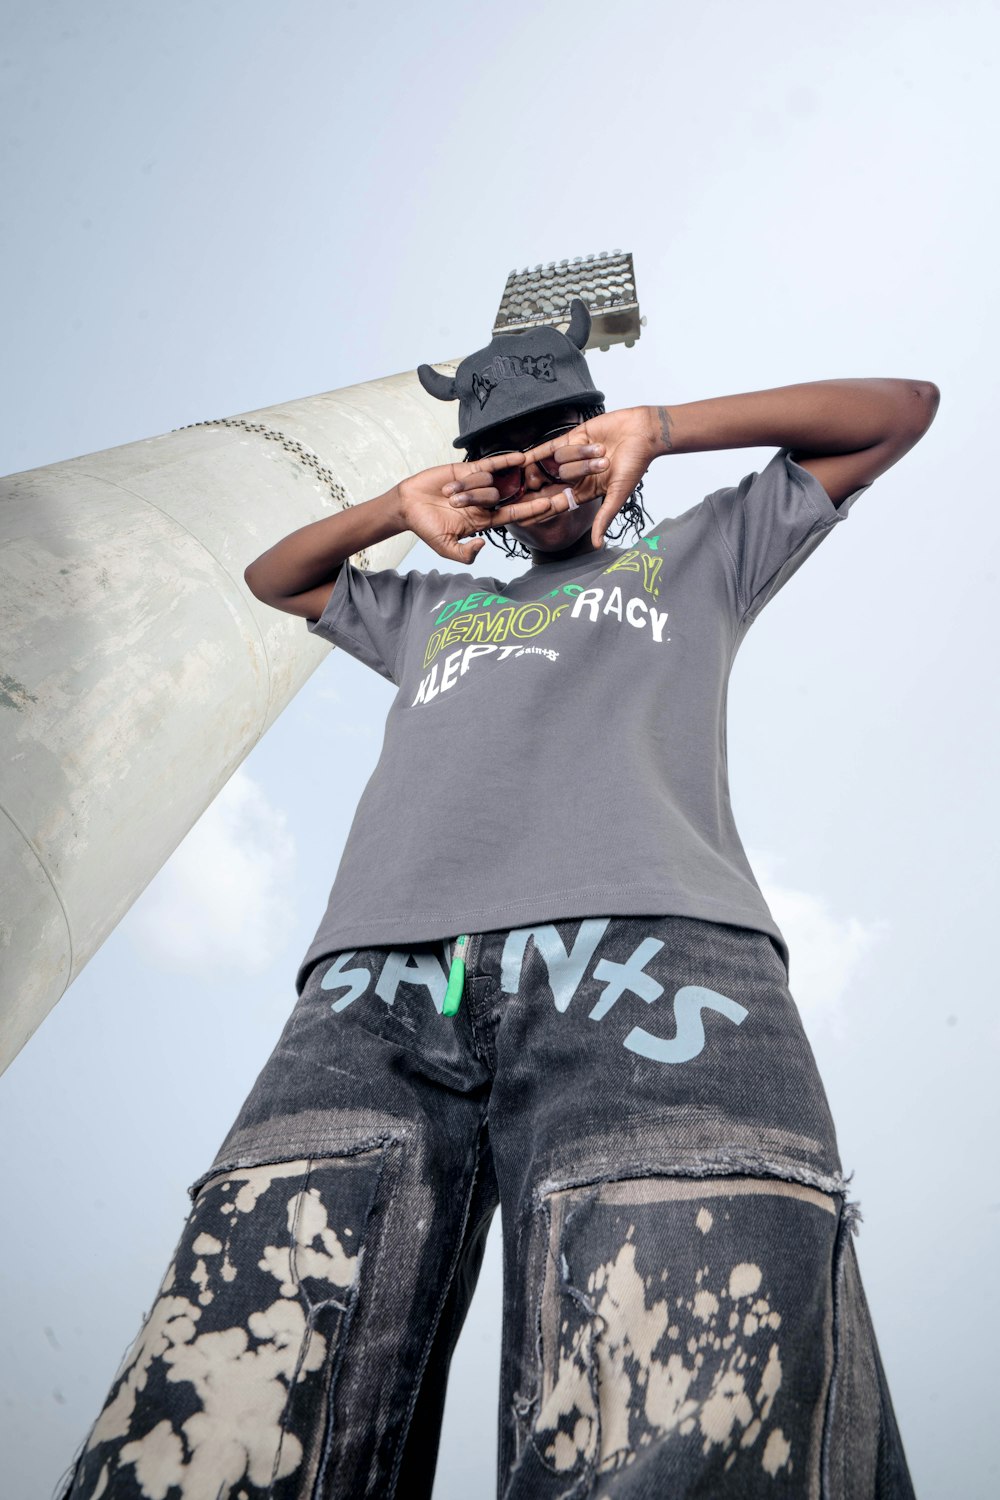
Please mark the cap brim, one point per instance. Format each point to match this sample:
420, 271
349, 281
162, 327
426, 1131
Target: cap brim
593, 398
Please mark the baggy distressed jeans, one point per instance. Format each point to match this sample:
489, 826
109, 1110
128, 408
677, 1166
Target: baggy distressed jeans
682, 1309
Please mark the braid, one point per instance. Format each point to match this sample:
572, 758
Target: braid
633, 512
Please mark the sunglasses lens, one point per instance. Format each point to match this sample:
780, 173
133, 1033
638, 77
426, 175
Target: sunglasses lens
549, 466
508, 482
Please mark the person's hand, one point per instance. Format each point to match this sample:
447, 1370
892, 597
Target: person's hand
450, 502
576, 462
630, 438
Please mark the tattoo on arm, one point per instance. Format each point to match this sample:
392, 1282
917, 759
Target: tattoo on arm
663, 416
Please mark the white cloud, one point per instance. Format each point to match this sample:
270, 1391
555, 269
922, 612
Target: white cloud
826, 950
223, 901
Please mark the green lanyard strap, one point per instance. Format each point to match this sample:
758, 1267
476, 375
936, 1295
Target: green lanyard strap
456, 978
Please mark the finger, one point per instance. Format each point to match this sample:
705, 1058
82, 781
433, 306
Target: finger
462, 473
577, 451
610, 506
544, 450
476, 483
619, 489
538, 505
477, 478
463, 552
463, 467
510, 460
580, 468
575, 439
487, 496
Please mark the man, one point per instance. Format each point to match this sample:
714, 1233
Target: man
626, 1073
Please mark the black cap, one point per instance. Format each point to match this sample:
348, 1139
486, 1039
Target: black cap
516, 374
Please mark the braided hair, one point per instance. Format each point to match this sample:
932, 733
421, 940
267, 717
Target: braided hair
633, 512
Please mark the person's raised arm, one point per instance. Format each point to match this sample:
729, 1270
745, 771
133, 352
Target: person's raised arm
845, 432
297, 574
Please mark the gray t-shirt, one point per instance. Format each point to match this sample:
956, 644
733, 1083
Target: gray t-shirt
557, 746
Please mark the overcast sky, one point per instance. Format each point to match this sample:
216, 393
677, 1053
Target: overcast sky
209, 208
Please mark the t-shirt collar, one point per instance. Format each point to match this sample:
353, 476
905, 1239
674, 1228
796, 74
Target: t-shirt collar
579, 564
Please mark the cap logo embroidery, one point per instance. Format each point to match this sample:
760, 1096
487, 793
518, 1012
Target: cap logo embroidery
509, 367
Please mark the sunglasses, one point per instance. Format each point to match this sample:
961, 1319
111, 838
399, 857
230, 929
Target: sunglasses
510, 482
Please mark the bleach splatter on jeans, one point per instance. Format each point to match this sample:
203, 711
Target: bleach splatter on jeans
683, 1313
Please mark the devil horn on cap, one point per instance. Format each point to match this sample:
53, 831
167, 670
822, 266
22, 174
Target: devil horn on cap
578, 331
436, 384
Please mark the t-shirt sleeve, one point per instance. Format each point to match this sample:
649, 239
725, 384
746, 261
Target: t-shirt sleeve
769, 524
368, 614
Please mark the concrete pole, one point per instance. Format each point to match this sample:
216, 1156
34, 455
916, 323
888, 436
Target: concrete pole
137, 669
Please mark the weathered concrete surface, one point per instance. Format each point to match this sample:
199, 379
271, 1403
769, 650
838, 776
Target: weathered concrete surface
137, 670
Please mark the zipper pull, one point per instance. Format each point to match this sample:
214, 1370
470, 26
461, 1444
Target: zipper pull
456, 978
